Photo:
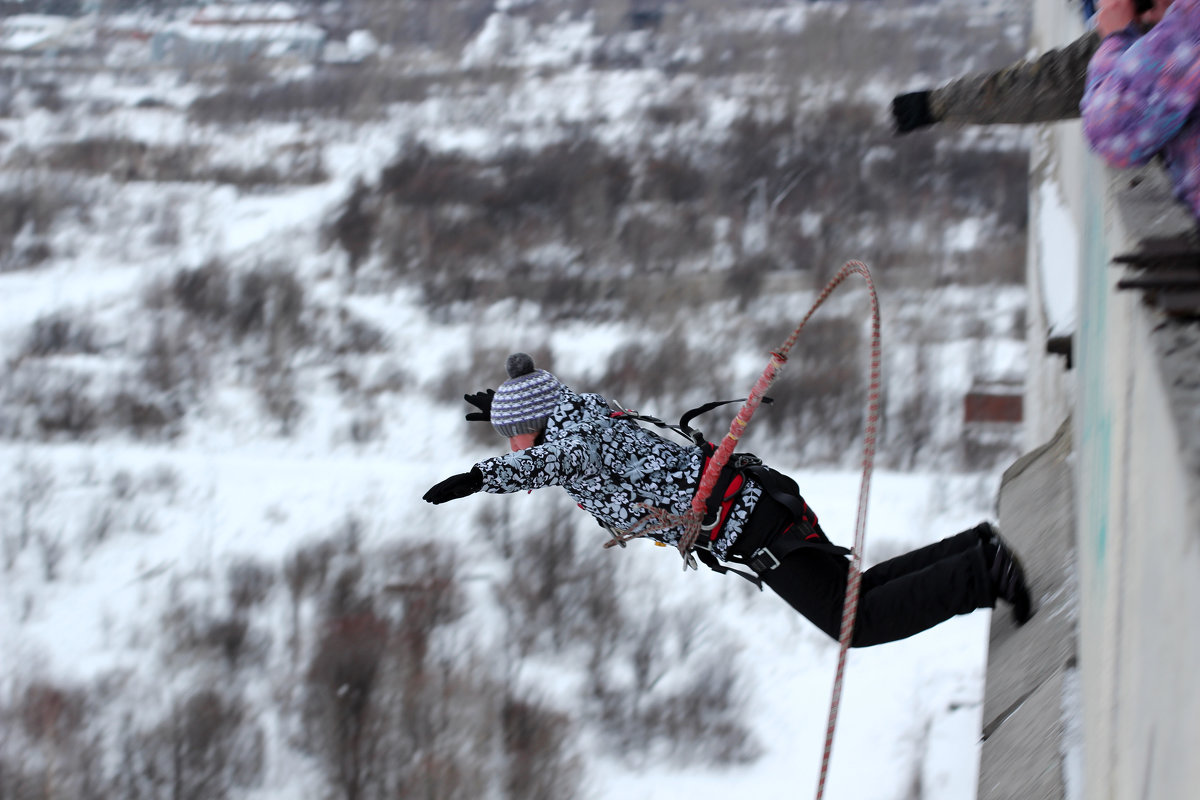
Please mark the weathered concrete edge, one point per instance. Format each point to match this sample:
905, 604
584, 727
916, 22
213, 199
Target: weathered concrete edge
1022, 755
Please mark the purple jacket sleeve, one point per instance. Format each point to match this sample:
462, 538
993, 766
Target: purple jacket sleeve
1142, 89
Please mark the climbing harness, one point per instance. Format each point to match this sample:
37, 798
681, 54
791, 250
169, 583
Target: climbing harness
684, 426
725, 492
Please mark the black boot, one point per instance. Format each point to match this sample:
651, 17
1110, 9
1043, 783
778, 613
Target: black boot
1008, 577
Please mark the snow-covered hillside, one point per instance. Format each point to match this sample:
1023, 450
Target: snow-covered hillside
240, 307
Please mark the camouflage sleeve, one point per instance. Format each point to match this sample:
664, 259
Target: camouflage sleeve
1046, 89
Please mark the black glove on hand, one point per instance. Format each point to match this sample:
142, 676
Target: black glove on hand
482, 401
454, 487
912, 111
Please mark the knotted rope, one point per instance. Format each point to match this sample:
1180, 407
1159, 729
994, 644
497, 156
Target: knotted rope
658, 519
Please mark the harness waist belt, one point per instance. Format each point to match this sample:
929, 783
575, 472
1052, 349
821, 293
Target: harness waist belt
762, 549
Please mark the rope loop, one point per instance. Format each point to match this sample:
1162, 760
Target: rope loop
690, 523
854, 576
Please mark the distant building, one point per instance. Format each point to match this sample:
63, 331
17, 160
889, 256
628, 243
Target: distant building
993, 405
358, 46
235, 34
42, 34
990, 412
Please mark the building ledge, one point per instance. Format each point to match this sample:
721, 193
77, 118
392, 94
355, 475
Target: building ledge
1024, 750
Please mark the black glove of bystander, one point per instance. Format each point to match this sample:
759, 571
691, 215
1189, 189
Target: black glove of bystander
454, 487
912, 111
482, 401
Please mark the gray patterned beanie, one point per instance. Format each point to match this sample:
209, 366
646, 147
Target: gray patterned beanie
524, 402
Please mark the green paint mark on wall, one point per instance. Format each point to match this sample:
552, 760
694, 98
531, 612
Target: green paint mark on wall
1095, 423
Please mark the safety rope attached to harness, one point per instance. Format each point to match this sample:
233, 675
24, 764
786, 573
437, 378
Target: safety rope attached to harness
691, 523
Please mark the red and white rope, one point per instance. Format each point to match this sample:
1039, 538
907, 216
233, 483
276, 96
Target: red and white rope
854, 577
721, 456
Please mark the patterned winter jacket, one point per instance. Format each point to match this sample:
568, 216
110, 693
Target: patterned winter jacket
609, 466
1046, 89
1143, 98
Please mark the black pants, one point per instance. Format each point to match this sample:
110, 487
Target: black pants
898, 597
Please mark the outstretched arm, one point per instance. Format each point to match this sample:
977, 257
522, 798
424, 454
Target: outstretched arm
1141, 91
1045, 89
550, 464
454, 487
532, 468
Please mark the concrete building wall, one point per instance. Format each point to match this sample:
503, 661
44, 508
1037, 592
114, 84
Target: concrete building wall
1058, 160
1138, 545
1136, 478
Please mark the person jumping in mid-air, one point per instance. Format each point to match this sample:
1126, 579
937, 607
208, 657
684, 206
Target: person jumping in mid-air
615, 470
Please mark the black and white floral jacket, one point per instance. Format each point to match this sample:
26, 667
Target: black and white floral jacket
611, 465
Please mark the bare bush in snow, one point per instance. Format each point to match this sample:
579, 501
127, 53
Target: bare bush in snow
538, 763
206, 745
60, 334
249, 583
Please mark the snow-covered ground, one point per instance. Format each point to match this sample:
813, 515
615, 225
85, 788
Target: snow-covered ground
911, 710
129, 524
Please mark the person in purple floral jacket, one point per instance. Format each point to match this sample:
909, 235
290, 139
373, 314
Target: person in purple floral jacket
1143, 93
615, 469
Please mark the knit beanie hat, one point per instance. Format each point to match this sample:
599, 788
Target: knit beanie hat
524, 402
